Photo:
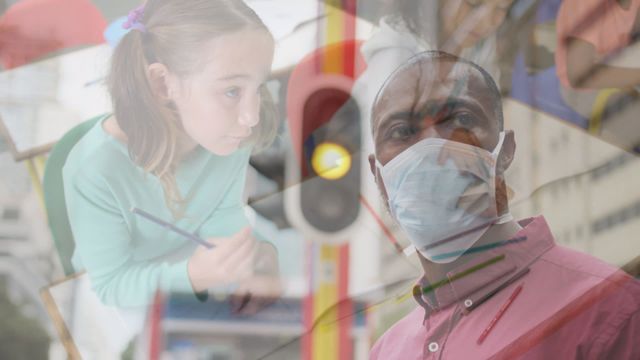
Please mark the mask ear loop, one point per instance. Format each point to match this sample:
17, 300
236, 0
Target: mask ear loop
504, 218
409, 250
379, 165
498, 148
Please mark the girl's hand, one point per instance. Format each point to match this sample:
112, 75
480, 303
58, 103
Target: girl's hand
255, 293
263, 288
231, 260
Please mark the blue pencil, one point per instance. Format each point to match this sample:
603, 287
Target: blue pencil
171, 227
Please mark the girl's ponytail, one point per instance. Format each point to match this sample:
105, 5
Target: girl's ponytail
150, 125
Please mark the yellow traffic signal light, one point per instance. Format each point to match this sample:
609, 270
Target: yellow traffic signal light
331, 161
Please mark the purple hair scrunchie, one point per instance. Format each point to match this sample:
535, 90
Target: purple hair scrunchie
133, 20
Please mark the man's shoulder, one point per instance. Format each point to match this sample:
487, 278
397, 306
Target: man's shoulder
611, 298
401, 338
593, 269
582, 305
582, 264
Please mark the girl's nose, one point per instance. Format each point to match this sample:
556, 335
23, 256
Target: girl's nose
250, 114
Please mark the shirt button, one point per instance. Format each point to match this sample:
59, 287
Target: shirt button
433, 347
468, 303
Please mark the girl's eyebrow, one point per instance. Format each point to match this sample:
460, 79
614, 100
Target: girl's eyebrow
234, 77
243, 76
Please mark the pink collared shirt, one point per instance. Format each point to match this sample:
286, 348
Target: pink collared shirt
572, 306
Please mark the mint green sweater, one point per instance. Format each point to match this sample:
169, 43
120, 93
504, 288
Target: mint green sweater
126, 256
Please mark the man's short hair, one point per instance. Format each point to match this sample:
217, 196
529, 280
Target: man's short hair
432, 55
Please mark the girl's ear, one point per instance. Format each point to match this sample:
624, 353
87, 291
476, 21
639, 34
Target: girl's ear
163, 83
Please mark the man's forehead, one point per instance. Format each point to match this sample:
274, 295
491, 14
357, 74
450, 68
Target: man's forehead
430, 79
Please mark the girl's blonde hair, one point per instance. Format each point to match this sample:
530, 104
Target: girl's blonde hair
173, 32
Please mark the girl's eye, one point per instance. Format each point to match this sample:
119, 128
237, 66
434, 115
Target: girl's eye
232, 92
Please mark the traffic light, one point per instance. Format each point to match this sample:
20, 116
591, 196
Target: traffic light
325, 171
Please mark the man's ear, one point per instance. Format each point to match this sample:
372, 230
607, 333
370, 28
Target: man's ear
507, 153
377, 178
372, 164
163, 82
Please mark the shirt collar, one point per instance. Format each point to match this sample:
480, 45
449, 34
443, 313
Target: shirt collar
476, 281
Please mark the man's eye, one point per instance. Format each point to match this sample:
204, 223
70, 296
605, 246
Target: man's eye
474, 3
402, 132
232, 92
463, 120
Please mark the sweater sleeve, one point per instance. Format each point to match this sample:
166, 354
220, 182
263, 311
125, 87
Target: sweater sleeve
231, 216
228, 217
104, 246
577, 19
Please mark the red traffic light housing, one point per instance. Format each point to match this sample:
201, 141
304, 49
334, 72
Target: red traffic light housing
324, 172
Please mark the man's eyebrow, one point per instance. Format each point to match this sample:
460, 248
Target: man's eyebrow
432, 108
400, 115
505, 4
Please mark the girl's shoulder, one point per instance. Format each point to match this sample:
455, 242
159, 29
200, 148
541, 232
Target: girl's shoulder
97, 154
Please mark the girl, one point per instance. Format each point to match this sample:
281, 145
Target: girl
187, 86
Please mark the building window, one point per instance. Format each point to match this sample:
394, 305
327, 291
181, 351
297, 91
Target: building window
11, 214
617, 217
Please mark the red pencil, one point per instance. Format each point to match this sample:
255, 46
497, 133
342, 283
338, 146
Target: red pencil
501, 312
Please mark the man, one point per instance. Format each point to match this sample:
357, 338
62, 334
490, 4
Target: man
440, 156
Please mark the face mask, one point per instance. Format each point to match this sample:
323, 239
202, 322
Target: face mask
442, 194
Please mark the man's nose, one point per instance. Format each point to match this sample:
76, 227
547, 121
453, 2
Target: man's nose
429, 132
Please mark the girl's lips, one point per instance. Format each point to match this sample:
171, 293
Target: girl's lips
236, 138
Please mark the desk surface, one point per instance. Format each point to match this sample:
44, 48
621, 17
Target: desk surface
39, 102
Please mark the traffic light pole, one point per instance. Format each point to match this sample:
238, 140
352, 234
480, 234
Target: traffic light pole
325, 171
328, 308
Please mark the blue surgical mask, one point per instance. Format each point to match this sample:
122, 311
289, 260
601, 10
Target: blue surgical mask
442, 194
